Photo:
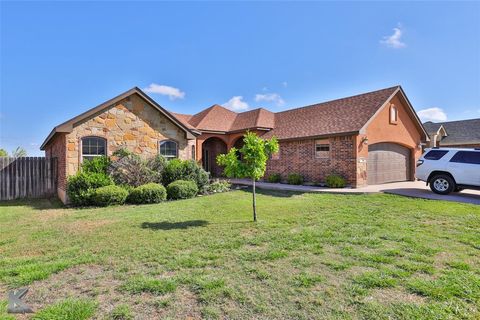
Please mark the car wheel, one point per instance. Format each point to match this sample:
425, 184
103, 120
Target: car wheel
442, 184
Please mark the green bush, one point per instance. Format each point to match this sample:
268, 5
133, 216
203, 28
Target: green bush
148, 193
109, 195
182, 189
335, 181
274, 178
177, 169
81, 187
96, 165
217, 187
294, 178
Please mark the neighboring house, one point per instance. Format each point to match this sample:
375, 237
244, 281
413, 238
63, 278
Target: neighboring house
369, 138
456, 134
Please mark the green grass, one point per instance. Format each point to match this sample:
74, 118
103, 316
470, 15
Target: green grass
70, 309
308, 256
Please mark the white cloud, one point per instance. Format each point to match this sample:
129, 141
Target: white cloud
270, 97
432, 114
171, 92
285, 84
236, 103
394, 40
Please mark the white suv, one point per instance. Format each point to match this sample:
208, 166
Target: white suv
449, 170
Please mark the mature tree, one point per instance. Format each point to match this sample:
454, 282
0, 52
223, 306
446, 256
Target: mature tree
19, 152
252, 161
3, 153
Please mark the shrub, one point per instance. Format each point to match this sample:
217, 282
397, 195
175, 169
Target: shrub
109, 195
173, 171
217, 186
294, 178
148, 193
81, 187
335, 181
274, 178
96, 165
133, 171
177, 169
157, 165
182, 189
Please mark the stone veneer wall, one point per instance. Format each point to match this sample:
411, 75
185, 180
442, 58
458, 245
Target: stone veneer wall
299, 157
132, 124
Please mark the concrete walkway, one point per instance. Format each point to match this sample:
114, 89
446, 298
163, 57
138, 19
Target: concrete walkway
414, 189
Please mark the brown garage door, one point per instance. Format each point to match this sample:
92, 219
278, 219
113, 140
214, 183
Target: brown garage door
387, 162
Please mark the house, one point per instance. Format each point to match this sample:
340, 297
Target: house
456, 134
369, 138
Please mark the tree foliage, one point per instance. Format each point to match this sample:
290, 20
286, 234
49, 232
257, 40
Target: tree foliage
3, 153
253, 161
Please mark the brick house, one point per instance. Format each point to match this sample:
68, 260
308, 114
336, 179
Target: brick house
369, 138
454, 134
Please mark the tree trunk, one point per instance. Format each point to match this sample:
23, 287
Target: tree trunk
254, 202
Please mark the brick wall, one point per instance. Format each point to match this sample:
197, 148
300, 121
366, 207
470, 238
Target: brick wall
56, 149
299, 157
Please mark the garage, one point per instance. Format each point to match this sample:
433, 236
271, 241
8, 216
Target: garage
388, 162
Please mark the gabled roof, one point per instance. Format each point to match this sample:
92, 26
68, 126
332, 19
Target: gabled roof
458, 132
67, 126
342, 116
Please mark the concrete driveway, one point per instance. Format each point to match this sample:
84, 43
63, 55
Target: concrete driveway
418, 189
414, 189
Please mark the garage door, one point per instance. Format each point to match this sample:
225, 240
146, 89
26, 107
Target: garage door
387, 162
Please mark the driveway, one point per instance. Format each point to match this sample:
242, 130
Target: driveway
414, 189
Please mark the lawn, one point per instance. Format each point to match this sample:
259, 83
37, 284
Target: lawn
309, 256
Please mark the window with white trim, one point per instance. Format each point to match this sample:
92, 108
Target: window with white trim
168, 149
322, 148
93, 147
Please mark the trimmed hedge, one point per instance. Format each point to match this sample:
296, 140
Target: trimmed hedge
295, 178
335, 181
274, 178
182, 189
148, 193
109, 195
81, 187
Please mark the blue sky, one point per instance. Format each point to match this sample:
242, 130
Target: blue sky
60, 58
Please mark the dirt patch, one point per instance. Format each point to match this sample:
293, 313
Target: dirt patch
392, 295
86, 226
102, 285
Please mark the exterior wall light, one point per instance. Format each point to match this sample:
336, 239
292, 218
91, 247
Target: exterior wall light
365, 140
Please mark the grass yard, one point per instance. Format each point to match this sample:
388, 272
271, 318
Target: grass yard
309, 256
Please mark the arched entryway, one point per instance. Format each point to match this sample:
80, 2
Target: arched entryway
211, 148
238, 145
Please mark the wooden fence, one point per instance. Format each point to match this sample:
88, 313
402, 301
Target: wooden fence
27, 177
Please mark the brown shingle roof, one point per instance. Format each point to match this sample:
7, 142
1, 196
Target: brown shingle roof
333, 117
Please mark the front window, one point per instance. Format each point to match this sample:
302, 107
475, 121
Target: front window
93, 147
322, 148
169, 149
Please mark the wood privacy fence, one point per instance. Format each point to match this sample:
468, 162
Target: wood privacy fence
27, 177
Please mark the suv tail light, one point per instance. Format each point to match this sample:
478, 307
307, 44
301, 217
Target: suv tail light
419, 163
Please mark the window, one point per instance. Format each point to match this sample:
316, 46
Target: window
93, 147
435, 154
322, 148
168, 149
193, 152
466, 157
393, 114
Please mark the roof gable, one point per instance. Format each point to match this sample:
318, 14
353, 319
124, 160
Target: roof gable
68, 125
458, 132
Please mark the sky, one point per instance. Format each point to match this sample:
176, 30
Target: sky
59, 59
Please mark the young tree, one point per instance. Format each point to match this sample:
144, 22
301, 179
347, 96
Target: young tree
252, 163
